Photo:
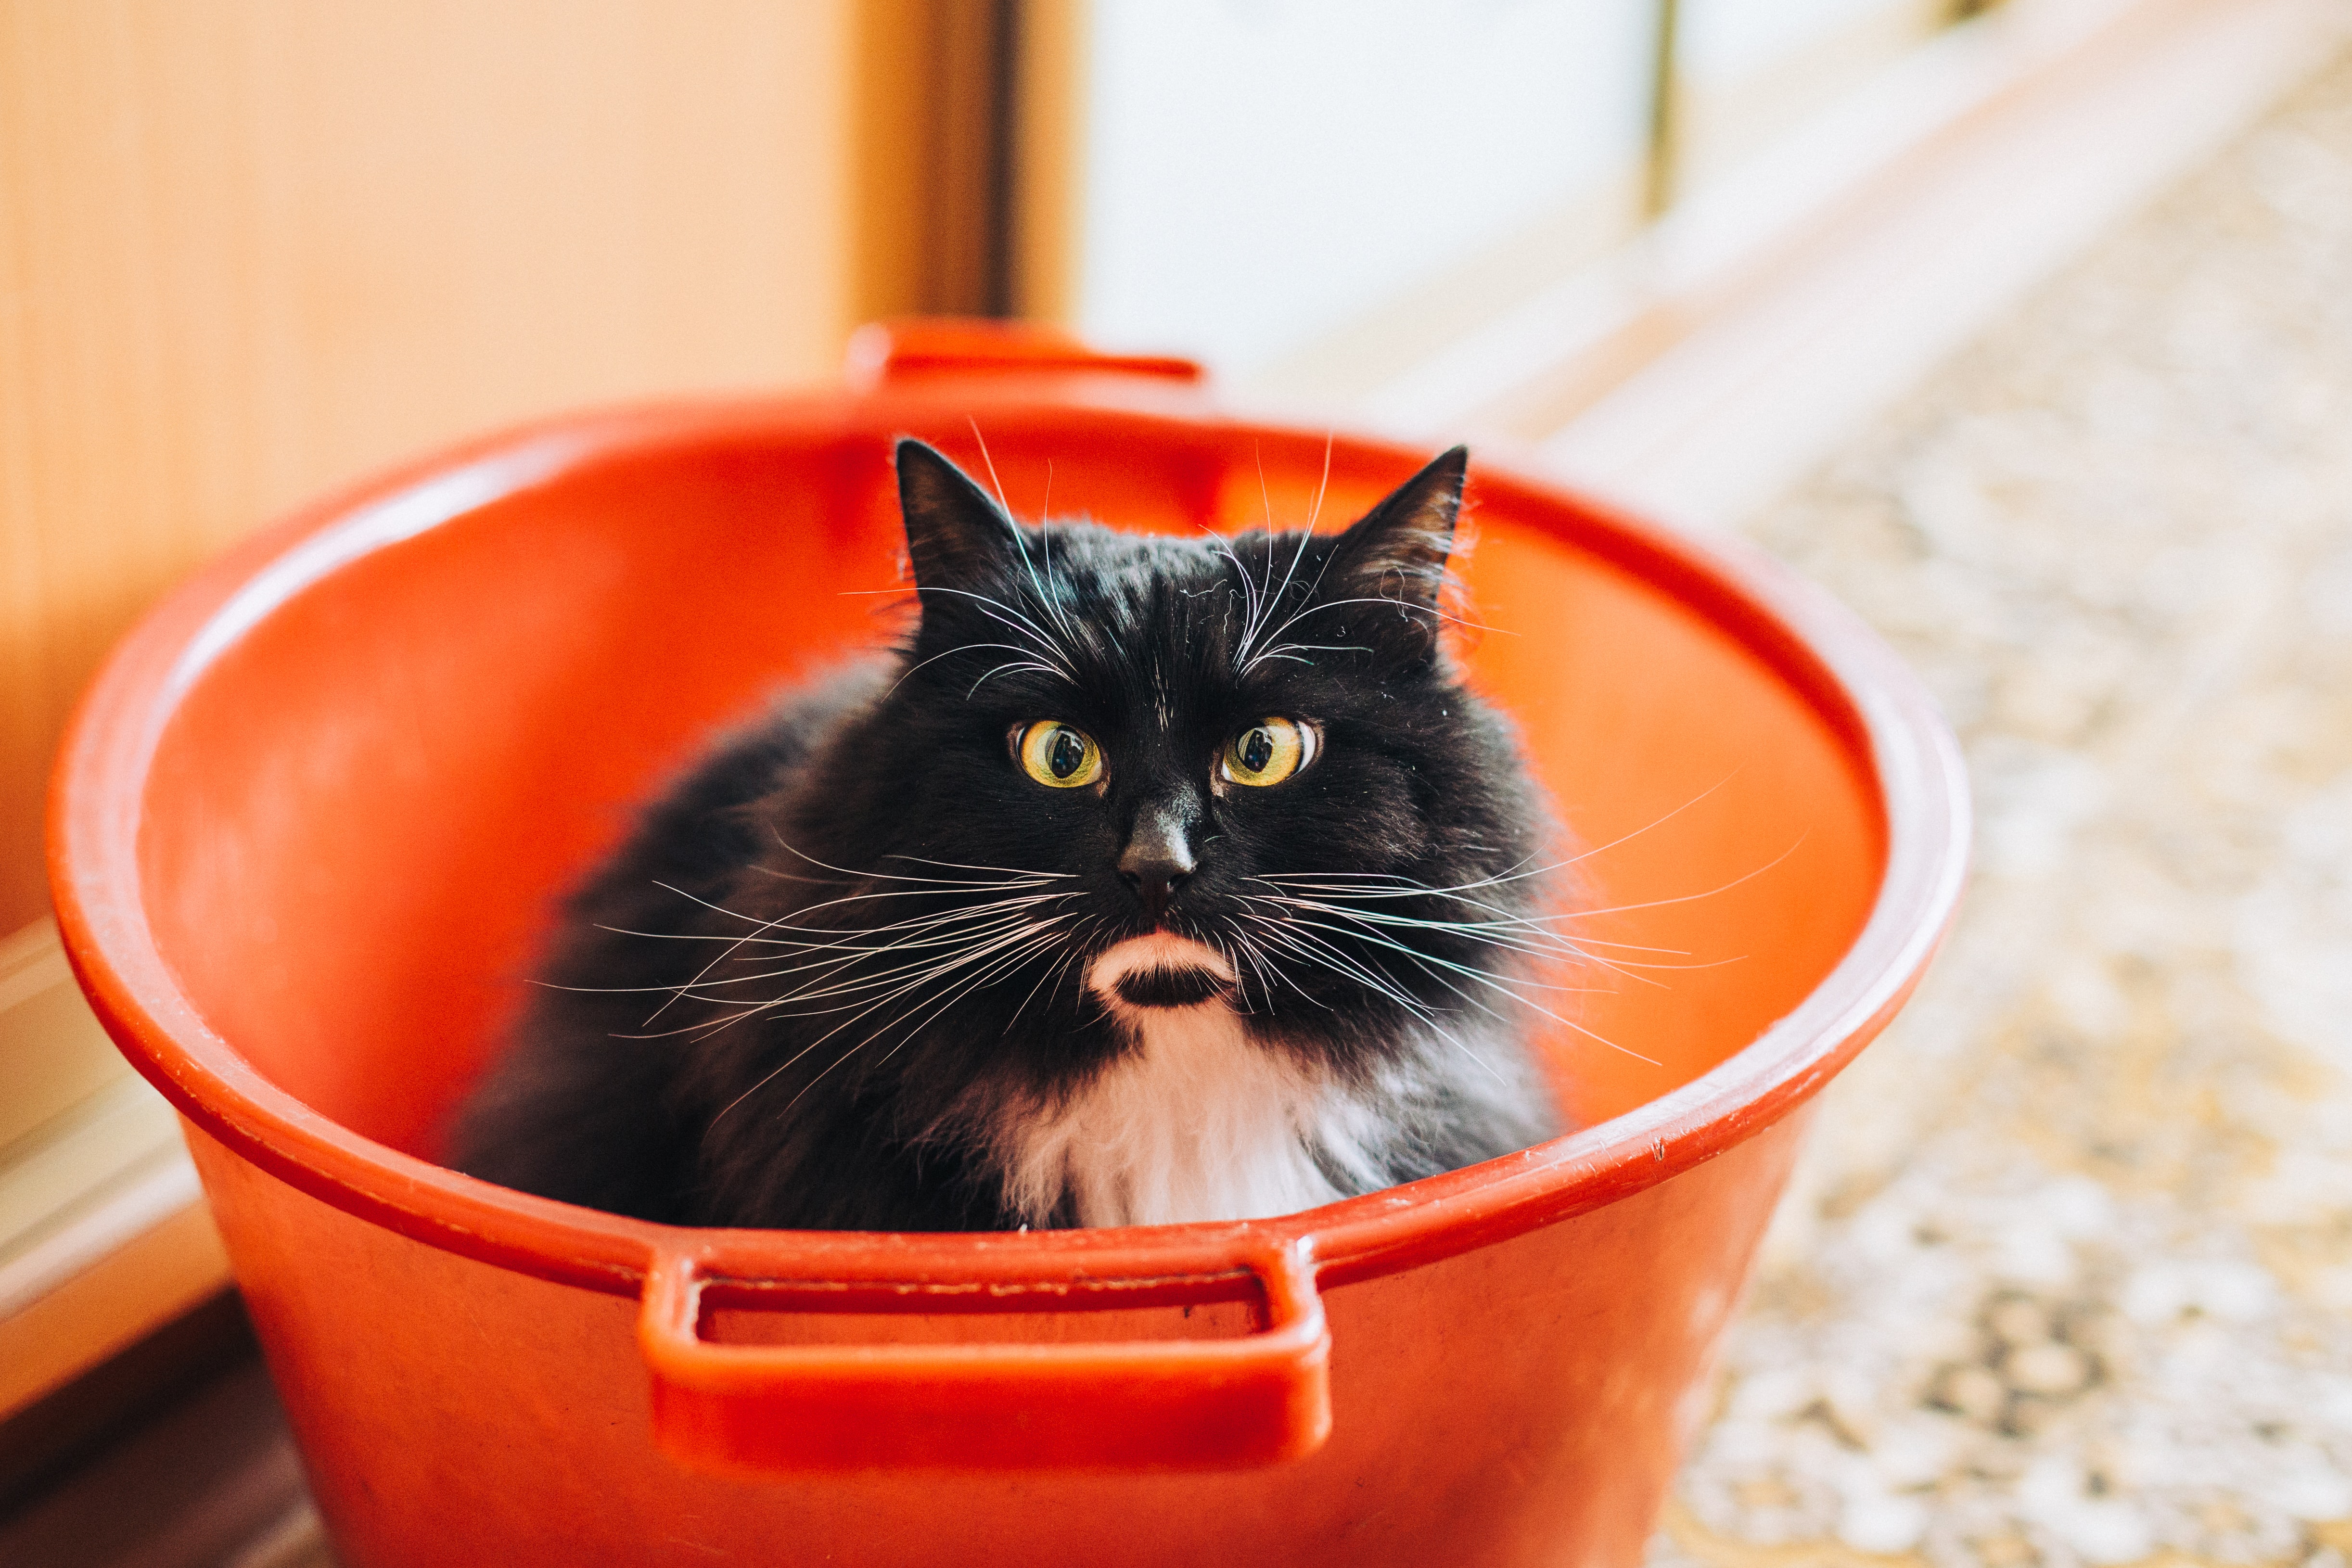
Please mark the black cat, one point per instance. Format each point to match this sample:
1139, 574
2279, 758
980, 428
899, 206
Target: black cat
1153, 880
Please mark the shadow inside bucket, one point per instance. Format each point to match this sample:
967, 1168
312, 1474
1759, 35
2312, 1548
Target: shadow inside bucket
1226, 1310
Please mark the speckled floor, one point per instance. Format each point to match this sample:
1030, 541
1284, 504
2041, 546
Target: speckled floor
2067, 1278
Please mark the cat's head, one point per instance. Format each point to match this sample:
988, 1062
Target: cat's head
1224, 771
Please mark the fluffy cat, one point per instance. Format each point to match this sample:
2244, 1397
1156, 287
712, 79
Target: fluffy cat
1152, 880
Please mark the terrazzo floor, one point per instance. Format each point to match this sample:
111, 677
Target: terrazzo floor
2067, 1274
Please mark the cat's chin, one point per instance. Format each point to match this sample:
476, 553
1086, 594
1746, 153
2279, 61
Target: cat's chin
1159, 971
1168, 987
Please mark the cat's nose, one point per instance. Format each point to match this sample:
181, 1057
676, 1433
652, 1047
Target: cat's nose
1157, 860
1155, 881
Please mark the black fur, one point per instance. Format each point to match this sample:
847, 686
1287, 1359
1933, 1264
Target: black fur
649, 1080
1168, 987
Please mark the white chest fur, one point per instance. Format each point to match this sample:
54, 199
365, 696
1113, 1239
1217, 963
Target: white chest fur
1195, 1122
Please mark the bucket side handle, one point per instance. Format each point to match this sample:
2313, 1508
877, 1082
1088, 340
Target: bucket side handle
911, 347
1117, 1404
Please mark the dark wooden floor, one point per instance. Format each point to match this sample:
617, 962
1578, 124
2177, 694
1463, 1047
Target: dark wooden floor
180, 1457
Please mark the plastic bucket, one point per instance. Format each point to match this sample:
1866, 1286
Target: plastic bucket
310, 820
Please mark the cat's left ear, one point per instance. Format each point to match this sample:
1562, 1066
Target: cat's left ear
956, 535
1398, 549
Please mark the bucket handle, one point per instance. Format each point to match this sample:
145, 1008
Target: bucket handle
917, 346
1133, 1404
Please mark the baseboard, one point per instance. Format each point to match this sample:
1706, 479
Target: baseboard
104, 1235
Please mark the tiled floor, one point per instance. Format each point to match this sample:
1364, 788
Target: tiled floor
2068, 1278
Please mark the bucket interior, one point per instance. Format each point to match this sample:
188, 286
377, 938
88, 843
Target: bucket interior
366, 804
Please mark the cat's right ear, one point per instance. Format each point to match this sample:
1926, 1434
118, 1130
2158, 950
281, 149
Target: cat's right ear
956, 535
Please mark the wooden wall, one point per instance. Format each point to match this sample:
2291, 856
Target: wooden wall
250, 249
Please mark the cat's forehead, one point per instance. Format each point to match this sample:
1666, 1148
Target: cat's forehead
1140, 581
1160, 619
1095, 558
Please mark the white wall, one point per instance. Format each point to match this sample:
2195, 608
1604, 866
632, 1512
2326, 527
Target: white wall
1719, 38
1261, 171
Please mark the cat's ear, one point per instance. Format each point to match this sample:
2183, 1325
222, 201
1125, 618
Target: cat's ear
1398, 551
956, 535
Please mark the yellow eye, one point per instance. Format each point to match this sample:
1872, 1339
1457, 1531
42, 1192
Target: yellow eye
1053, 753
1267, 752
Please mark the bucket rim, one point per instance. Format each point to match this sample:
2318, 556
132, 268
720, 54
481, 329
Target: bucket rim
1835, 662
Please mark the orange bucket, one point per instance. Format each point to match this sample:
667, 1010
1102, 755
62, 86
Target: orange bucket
312, 818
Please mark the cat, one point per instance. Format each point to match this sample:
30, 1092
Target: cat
1152, 880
